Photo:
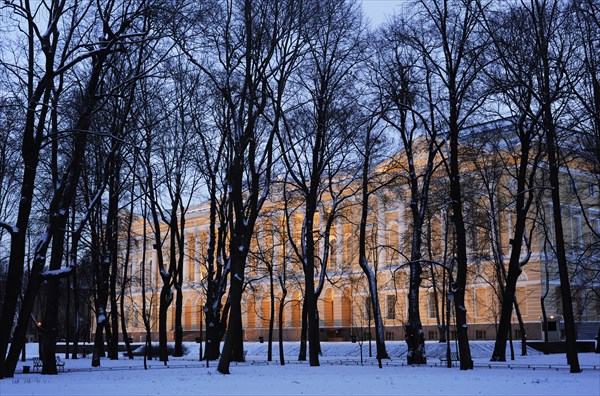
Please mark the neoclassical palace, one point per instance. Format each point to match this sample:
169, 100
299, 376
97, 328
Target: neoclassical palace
344, 303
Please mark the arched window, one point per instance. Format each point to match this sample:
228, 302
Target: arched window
188, 310
347, 308
328, 308
265, 311
251, 314
296, 307
332, 261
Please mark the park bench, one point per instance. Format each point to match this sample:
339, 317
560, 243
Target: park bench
37, 363
60, 364
453, 357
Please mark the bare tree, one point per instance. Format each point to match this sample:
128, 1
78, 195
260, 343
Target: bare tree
250, 37
315, 142
402, 71
552, 49
212, 163
453, 46
37, 80
511, 79
63, 197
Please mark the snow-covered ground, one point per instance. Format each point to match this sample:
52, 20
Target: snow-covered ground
340, 374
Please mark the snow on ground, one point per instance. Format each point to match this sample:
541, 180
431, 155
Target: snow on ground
340, 374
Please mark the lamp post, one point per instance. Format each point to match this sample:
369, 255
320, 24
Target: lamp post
369, 332
361, 341
200, 356
450, 298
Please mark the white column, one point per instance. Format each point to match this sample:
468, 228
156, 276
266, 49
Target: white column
401, 223
322, 240
340, 242
382, 229
154, 268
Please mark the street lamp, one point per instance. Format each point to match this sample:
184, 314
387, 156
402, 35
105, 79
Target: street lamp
450, 298
40, 331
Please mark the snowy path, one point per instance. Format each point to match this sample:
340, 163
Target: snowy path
339, 374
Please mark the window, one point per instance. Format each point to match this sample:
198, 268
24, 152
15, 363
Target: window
509, 223
558, 300
431, 302
191, 245
432, 335
368, 310
518, 334
333, 260
573, 186
474, 234
348, 249
550, 223
390, 304
578, 304
480, 334
389, 335
576, 231
596, 230
392, 238
476, 302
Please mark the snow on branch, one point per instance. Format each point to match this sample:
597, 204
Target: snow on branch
59, 273
12, 229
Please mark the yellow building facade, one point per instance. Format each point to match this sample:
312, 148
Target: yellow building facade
344, 300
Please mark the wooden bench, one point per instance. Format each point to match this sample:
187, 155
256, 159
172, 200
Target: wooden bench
60, 364
453, 357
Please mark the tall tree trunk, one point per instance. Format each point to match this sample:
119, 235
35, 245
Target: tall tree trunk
111, 254
178, 324
166, 294
459, 286
213, 278
362, 253
515, 263
124, 329
178, 239
521, 329
280, 320
77, 312
166, 297
373, 292
68, 320
563, 269
59, 209
312, 317
32, 140
50, 321
415, 338
98, 345
310, 296
126, 281
30, 153
271, 315
303, 332
231, 347
145, 313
